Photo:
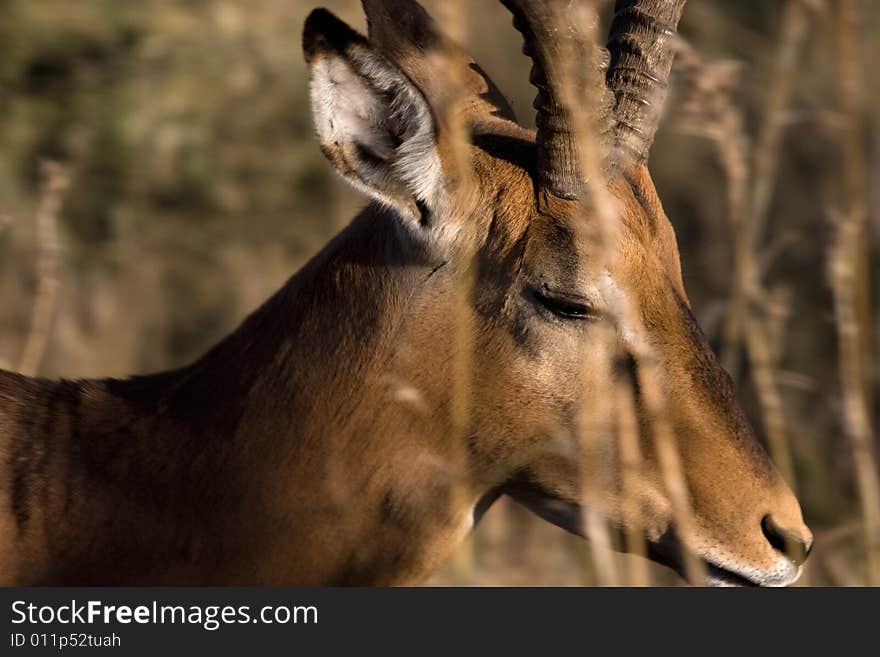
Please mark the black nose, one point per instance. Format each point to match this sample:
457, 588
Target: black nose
786, 541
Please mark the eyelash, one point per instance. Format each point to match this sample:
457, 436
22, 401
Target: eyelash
562, 308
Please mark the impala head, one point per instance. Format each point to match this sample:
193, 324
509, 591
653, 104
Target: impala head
577, 290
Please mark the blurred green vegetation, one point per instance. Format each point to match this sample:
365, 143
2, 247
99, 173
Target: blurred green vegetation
198, 189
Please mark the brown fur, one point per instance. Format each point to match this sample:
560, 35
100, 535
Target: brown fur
316, 443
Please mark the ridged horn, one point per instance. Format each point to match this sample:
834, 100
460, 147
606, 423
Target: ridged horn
555, 45
642, 46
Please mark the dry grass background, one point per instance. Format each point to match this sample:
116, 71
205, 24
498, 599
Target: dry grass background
189, 188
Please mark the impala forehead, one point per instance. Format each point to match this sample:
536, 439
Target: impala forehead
632, 256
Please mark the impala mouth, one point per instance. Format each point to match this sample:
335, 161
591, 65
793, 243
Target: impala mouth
718, 576
668, 551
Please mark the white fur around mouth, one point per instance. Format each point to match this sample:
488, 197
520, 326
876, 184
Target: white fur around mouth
721, 576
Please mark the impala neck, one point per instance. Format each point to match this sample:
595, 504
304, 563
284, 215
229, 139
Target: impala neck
292, 362
281, 456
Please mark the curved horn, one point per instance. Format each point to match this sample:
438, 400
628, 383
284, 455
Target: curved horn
553, 43
642, 47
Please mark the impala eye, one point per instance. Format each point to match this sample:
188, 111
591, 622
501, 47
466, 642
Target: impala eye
562, 305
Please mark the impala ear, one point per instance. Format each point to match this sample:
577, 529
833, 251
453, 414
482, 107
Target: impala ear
374, 125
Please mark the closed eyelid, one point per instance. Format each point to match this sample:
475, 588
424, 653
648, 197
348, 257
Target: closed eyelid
563, 304
590, 296
565, 295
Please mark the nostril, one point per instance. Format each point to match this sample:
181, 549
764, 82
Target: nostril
771, 531
786, 541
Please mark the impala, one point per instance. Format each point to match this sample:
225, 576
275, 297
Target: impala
333, 437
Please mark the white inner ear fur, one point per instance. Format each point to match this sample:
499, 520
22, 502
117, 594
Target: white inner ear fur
372, 117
